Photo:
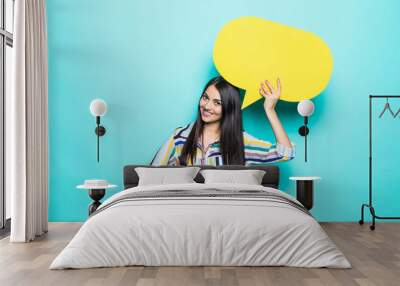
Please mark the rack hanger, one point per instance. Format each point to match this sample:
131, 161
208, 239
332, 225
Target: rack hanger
398, 112
387, 107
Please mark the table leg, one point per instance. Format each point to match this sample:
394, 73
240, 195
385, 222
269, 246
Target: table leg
96, 195
304, 193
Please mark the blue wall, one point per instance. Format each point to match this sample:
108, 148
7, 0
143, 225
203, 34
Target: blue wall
149, 61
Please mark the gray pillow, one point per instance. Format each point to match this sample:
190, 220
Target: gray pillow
249, 177
163, 176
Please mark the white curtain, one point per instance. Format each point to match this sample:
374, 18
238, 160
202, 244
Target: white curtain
26, 119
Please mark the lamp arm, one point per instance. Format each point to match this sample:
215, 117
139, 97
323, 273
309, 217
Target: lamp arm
305, 138
98, 141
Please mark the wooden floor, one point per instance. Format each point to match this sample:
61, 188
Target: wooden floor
374, 255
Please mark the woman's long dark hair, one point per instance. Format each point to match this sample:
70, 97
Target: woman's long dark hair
231, 126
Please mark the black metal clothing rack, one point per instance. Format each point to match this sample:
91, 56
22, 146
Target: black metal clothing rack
370, 205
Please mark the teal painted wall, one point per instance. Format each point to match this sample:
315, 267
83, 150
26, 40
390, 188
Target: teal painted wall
149, 60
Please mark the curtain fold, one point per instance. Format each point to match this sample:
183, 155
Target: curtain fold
27, 158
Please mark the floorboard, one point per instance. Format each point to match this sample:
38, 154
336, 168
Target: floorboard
374, 255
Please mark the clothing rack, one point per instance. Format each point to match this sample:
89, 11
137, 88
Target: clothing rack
370, 204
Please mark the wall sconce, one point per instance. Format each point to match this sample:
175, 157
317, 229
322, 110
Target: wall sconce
98, 108
305, 108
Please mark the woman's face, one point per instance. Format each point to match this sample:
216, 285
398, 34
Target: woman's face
211, 105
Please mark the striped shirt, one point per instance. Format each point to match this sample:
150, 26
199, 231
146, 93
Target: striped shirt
256, 151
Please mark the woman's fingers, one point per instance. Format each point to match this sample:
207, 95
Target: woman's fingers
261, 92
264, 90
268, 89
278, 83
271, 88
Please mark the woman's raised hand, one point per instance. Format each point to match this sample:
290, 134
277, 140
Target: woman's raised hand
270, 94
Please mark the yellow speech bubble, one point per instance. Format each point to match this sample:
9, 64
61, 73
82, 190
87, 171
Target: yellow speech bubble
249, 50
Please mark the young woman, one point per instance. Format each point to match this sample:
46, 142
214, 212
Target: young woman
217, 136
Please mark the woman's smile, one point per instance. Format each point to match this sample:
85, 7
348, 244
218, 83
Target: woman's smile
206, 113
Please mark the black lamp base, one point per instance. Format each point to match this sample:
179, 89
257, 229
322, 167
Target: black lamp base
100, 130
303, 130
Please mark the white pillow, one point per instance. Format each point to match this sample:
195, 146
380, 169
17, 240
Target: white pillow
163, 176
249, 177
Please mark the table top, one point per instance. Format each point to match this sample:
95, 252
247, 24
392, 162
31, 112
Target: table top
311, 178
96, 187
